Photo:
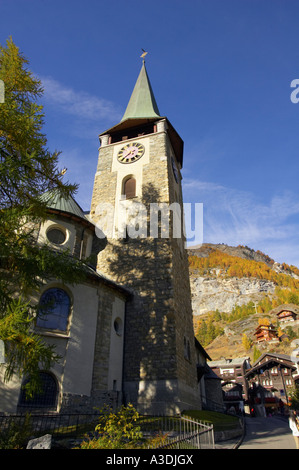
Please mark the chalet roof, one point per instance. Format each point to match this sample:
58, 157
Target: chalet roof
279, 357
273, 358
290, 307
265, 327
227, 362
236, 385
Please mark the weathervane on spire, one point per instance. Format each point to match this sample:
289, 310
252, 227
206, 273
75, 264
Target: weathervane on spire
143, 54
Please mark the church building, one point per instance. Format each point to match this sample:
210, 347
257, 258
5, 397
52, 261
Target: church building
125, 334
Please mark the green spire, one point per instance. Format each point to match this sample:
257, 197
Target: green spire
142, 103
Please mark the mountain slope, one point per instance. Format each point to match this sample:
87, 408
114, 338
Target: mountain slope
236, 285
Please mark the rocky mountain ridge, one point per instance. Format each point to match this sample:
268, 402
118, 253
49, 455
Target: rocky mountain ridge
216, 289
223, 294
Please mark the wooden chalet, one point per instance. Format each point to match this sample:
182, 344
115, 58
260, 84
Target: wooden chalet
286, 315
270, 379
233, 397
286, 312
266, 333
232, 375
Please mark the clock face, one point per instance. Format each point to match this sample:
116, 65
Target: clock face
130, 153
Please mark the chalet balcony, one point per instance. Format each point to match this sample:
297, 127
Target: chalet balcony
228, 376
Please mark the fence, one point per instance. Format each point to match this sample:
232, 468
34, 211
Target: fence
175, 432
63, 425
183, 433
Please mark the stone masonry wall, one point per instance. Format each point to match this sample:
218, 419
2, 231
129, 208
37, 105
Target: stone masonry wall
159, 318
102, 344
182, 293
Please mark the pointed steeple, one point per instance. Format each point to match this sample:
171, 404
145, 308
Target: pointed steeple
142, 103
142, 110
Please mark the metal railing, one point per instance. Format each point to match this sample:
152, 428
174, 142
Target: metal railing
174, 432
180, 432
73, 425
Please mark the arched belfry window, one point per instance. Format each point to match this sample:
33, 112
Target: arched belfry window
46, 397
54, 310
129, 187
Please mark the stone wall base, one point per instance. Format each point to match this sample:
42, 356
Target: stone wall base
166, 397
90, 404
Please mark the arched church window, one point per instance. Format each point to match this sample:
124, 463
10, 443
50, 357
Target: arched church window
46, 397
129, 188
54, 309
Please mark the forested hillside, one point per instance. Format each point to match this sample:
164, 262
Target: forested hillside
225, 329
237, 266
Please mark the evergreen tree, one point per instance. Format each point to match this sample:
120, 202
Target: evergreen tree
27, 170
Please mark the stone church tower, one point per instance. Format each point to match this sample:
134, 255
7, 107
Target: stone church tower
137, 203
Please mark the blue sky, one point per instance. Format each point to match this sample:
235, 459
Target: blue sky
221, 71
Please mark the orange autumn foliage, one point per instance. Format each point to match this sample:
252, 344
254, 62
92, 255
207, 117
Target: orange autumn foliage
233, 266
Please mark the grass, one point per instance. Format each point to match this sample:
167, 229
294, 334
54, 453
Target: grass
220, 421
15, 438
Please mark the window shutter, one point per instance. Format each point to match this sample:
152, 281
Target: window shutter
130, 188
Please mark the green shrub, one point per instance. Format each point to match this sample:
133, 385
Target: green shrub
17, 435
116, 430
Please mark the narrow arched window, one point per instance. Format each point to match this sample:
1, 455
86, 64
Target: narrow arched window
187, 352
46, 397
54, 310
129, 190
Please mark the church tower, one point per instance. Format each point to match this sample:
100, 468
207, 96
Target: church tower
137, 203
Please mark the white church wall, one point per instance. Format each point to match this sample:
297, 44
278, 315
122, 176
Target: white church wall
66, 227
9, 392
79, 353
116, 345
